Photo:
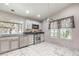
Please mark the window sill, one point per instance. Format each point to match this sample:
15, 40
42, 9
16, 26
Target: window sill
60, 38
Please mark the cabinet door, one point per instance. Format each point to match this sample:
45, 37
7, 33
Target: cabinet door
14, 43
23, 41
42, 38
5, 45
30, 39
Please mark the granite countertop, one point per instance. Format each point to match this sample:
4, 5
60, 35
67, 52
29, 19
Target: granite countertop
33, 32
10, 35
17, 35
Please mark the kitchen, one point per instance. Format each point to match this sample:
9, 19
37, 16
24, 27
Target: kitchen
43, 29
18, 34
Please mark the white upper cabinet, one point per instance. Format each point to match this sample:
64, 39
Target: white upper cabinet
28, 24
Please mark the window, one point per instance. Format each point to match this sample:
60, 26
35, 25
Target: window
10, 28
66, 33
62, 28
54, 29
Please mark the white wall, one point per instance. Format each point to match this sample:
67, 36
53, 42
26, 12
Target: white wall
70, 11
4, 16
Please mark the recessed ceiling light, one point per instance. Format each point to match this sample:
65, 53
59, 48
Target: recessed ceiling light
38, 15
6, 3
27, 11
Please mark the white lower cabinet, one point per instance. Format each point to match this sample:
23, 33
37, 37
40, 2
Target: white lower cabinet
42, 38
8, 44
4, 46
11, 43
23, 41
26, 40
30, 39
14, 43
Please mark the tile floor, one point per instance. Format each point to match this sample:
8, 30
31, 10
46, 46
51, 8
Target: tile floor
43, 49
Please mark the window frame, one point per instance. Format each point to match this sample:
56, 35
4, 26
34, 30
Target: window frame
59, 25
10, 27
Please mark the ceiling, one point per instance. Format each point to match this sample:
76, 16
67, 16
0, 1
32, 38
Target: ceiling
43, 10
